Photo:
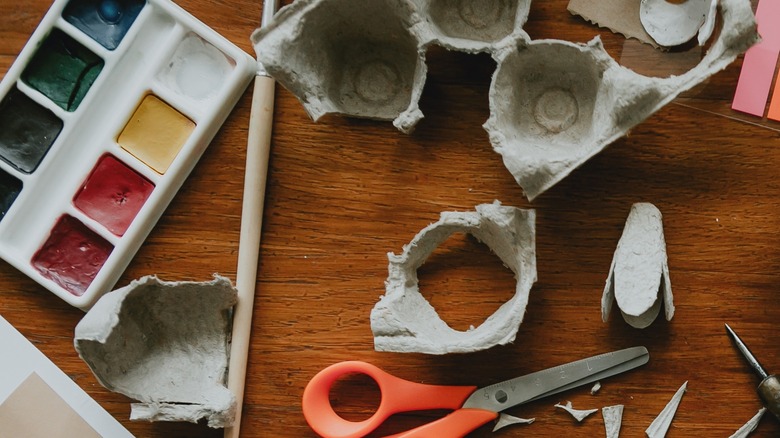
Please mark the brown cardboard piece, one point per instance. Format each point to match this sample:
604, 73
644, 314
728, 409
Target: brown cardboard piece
32, 400
619, 16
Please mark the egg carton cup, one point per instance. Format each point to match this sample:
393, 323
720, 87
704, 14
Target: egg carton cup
554, 104
165, 344
404, 321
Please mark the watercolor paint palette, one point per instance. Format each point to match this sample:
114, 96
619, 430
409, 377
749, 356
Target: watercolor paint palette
103, 115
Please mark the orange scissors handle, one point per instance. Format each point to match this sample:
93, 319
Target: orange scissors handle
397, 395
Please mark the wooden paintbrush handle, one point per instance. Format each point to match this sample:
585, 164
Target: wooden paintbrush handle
258, 151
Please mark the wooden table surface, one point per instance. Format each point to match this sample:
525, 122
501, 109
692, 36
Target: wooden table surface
344, 192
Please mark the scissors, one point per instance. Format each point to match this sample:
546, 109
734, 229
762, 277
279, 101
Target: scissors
472, 407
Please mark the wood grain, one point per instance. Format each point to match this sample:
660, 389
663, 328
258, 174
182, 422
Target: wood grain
343, 192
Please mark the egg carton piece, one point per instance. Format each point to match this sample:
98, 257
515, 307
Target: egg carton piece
613, 419
750, 426
505, 420
663, 421
349, 57
367, 59
165, 344
672, 24
639, 275
578, 414
472, 26
555, 104
404, 321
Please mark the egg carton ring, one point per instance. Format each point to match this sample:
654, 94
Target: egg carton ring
404, 321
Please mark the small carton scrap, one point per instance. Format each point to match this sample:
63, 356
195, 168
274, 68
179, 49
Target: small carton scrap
750, 426
673, 24
578, 414
638, 278
404, 321
663, 421
165, 344
613, 419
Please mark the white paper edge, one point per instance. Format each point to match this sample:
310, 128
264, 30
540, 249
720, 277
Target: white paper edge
21, 358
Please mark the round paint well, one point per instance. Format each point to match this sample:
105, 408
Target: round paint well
197, 69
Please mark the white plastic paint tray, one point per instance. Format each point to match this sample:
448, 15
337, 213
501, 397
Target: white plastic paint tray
89, 162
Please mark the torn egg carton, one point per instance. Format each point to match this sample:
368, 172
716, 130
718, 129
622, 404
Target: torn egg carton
553, 104
367, 59
638, 278
165, 344
404, 321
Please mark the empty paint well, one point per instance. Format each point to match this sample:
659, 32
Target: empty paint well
105, 21
63, 70
27, 131
155, 133
197, 69
113, 194
72, 255
10, 188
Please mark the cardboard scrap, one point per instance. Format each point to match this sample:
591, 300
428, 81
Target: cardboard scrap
638, 278
660, 425
619, 16
750, 426
404, 321
613, 419
166, 345
578, 414
505, 420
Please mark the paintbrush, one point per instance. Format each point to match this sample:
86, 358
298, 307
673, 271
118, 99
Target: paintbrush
257, 153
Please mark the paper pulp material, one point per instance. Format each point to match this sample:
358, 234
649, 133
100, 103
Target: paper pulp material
672, 24
505, 420
570, 101
613, 419
553, 104
578, 414
619, 16
166, 345
750, 426
367, 59
404, 321
661, 424
639, 275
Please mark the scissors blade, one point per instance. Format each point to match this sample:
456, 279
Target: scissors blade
512, 392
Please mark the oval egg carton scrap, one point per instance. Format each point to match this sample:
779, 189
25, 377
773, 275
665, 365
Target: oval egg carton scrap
554, 104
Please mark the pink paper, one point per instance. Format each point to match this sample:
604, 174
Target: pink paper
755, 80
758, 68
768, 19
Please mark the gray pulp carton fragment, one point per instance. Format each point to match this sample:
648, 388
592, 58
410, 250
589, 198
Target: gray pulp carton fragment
553, 104
367, 59
166, 345
638, 278
404, 321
